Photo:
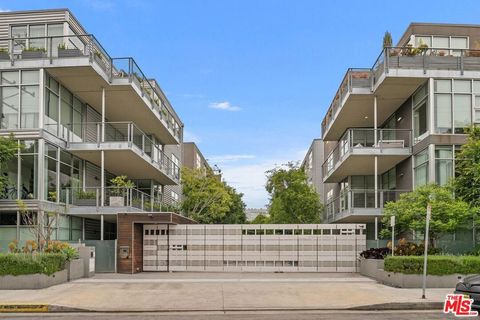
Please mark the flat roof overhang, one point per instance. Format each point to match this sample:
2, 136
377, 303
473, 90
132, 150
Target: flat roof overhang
358, 109
122, 160
358, 215
85, 78
363, 163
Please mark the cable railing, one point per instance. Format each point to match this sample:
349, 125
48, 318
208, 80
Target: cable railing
408, 57
350, 199
96, 132
113, 197
76, 46
363, 138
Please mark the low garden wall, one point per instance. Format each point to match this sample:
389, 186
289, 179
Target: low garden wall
407, 271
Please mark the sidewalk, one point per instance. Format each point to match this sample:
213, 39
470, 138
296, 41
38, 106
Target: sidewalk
226, 291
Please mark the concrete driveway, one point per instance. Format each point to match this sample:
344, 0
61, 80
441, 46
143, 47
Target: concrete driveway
224, 291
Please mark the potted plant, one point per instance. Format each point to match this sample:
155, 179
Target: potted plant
65, 52
120, 185
4, 55
85, 198
52, 196
34, 53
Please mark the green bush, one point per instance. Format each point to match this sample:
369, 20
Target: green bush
19, 263
437, 265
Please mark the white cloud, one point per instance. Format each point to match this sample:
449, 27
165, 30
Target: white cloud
250, 179
229, 158
190, 137
5, 10
225, 105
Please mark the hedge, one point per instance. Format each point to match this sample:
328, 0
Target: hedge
437, 265
19, 263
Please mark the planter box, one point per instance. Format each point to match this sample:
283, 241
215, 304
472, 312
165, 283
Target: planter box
75, 269
373, 268
116, 202
33, 281
67, 53
4, 56
33, 54
85, 202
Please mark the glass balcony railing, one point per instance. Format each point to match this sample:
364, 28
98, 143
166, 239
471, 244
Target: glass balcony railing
350, 199
77, 46
356, 139
92, 132
113, 197
422, 58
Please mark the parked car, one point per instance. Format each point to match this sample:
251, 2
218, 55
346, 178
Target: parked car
470, 286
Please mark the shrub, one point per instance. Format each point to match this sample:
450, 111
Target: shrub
405, 248
62, 248
375, 253
19, 263
437, 265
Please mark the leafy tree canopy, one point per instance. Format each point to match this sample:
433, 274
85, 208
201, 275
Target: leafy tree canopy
8, 148
292, 199
448, 213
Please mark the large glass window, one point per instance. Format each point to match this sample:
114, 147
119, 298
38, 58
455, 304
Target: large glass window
420, 114
19, 92
443, 164
389, 179
421, 168
453, 105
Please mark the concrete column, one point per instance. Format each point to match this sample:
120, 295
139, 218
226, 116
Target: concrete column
376, 180
102, 178
101, 227
431, 163
41, 99
83, 229
103, 115
375, 125
376, 230
41, 169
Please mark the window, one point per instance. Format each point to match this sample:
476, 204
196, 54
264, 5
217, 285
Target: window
443, 164
174, 196
420, 115
421, 168
389, 179
443, 42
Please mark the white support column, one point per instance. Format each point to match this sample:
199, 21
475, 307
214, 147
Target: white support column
431, 163
41, 99
102, 178
376, 230
103, 115
375, 119
376, 181
83, 229
101, 227
431, 106
41, 169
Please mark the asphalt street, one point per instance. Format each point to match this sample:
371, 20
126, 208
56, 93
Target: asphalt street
262, 315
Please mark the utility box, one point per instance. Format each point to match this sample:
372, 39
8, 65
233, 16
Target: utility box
87, 254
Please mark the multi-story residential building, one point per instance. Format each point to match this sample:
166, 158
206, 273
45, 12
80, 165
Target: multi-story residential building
312, 164
397, 125
83, 117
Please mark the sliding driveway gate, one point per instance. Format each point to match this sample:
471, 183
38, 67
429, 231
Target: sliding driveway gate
254, 248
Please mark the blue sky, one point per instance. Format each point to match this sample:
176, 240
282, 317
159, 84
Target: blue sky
251, 79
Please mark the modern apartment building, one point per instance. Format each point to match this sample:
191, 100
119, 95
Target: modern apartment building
312, 164
398, 124
83, 117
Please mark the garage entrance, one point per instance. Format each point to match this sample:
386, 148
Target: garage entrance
253, 248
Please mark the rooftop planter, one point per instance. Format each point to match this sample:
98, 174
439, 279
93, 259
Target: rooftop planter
34, 53
120, 186
65, 52
85, 198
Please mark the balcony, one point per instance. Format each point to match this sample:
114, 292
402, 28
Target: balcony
394, 77
128, 150
81, 64
358, 205
115, 199
355, 152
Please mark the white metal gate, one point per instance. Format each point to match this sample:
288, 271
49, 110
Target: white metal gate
255, 248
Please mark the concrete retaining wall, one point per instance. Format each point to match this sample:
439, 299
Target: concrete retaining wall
373, 268
33, 281
75, 269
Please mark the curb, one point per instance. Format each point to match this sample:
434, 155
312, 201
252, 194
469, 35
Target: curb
42, 308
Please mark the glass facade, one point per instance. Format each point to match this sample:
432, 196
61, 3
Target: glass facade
420, 112
420, 170
443, 164
19, 95
453, 104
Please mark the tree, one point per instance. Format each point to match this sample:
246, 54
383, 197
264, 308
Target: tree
292, 199
467, 167
236, 213
387, 40
8, 149
448, 213
206, 200
260, 219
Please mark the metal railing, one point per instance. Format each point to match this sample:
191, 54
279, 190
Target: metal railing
96, 132
362, 138
113, 197
420, 58
74, 46
350, 199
